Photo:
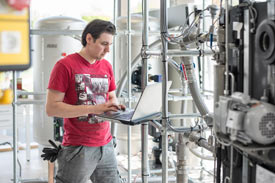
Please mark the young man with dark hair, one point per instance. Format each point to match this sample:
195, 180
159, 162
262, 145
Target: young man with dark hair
81, 85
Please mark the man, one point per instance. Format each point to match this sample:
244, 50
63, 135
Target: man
81, 85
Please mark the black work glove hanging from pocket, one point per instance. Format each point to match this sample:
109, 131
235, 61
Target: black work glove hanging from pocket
50, 154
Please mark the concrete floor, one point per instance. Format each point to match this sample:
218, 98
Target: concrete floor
37, 169
33, 169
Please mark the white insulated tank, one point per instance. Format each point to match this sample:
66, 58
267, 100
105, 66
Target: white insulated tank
47, 50
121, 66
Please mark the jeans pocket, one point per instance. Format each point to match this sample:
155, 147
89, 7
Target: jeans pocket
72, 152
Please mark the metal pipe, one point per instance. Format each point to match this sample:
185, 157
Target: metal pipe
231, 163
182, 172
144, 81
30, 93
177, 98
200, 141
156, 125
30, 102
114, 125
129, 86
232, 82
226, 91
163, 30
180, 53
114, 39
14, 126
180, 116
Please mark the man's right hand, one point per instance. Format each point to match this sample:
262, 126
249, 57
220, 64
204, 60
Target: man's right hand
101, 108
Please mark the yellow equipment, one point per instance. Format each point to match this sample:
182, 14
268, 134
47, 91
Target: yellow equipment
14, 35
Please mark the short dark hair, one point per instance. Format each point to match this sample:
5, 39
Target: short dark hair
96, 28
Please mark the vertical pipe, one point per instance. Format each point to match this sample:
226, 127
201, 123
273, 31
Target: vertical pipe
14, 126
129, 86
163, 30
114, 39
231, 163
114, 125
226, 91
144, 126
247, 54
181, 150
28, 131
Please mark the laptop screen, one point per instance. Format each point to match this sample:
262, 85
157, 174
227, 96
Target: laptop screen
150, 101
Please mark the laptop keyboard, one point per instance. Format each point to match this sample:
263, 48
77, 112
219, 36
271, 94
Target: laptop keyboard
120, 113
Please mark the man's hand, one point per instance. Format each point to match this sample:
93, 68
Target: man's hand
122, 107
109, 106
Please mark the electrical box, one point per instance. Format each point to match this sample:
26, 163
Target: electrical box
14, 38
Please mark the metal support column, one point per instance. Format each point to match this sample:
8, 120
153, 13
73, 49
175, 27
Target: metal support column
144, 126
114, 125
129, 86
226, 91
14, 127
164, 135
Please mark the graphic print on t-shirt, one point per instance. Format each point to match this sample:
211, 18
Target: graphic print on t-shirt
91, 90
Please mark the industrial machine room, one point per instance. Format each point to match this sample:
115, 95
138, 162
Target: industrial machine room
129, 91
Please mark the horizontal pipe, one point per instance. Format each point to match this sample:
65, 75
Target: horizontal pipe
178, 98
194, 115
30, 102
30, 93
79, 32
200, 141
180, 53
55, 32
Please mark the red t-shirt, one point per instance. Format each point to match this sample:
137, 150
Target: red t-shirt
83, 84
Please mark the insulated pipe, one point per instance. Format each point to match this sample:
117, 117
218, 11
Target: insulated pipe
194, 90
164, 135
144, 81
129, 71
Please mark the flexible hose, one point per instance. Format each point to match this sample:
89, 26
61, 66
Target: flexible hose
194, 90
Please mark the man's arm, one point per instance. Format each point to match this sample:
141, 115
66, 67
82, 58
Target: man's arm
56, 107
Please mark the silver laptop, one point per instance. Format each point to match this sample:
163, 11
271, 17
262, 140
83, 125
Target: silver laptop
147, 108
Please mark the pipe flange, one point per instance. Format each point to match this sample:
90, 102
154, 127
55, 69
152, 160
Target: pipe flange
265, 45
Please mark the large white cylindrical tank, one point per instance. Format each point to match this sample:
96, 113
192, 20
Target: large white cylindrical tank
121, 66
47, 50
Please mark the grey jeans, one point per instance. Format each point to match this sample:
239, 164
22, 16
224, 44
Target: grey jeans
78, 164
